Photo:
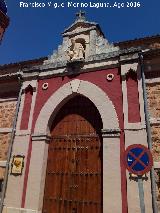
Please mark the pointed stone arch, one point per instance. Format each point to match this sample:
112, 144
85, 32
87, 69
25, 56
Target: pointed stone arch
67, 91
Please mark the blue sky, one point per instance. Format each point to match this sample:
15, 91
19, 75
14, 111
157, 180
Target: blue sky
36, 32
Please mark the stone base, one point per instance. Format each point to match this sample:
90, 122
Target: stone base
19, 210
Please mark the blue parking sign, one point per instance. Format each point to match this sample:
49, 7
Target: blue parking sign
138, 159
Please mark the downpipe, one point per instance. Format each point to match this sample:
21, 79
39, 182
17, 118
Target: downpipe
11, 145
149, 138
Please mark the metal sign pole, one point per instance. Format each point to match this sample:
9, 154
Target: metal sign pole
141, 194
139, 161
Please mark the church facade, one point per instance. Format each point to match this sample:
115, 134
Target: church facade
74, 114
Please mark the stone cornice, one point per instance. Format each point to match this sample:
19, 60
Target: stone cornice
5, 130
153, 80
11, 76
64, 71
110, 133
82, 22
126, 58
40, 137
151, 53
95, 62
79, 31
154, 121
3, 163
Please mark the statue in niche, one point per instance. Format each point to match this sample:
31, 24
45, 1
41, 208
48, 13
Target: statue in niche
76, 50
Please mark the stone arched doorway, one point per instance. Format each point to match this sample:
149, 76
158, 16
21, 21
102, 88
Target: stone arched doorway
74, 168
110, 137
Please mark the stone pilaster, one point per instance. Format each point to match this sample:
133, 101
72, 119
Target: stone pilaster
111, 171
93, 37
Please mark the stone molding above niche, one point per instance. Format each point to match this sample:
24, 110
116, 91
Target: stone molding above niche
88, 39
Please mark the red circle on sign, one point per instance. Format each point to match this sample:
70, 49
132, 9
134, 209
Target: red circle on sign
147, 168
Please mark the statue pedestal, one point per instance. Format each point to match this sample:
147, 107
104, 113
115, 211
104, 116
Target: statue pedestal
74, 66
75, 61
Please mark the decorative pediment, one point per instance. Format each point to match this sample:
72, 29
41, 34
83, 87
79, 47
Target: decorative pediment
81, 25
81, 41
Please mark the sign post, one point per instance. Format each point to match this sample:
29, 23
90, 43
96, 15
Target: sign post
141, 194
138, 160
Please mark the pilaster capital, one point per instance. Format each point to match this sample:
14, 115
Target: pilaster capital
41, 137
126, 68
110, 133
32, 83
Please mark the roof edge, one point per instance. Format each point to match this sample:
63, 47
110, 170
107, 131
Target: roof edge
137, 39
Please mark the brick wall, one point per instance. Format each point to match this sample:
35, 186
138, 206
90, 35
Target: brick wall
4, 142
153, 93
155, 129
7, 112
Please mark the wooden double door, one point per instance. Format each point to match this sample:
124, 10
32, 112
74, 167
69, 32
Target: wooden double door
74, 169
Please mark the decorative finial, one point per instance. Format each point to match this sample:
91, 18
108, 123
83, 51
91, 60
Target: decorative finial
80, 15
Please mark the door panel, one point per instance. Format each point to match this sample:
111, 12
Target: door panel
74, 169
